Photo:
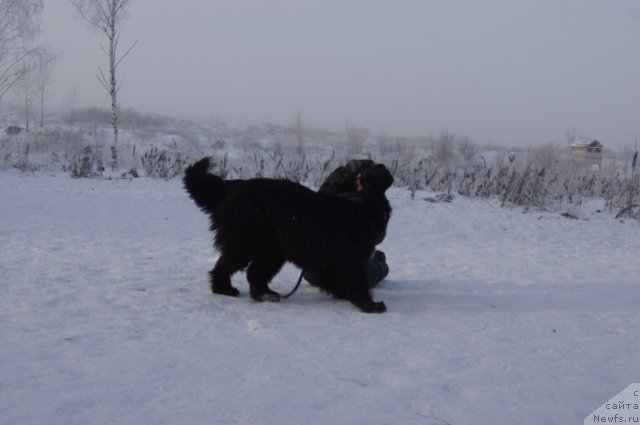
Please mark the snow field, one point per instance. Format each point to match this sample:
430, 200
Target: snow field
495, 316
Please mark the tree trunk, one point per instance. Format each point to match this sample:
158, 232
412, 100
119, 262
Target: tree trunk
113, 91
42, 108
26, 110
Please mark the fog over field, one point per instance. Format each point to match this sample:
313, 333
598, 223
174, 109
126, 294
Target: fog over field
510, 73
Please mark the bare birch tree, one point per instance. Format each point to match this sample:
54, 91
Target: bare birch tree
44, 75
24, 89
35, 77
19, 23
71, 108
106, 17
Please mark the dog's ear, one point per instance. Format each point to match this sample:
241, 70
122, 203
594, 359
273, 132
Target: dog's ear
376, 179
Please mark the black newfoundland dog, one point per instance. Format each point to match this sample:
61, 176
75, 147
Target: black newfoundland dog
262, 223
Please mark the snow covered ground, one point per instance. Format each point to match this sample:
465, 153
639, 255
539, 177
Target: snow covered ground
495, 317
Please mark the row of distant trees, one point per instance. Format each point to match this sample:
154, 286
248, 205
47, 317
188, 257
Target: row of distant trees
26, 67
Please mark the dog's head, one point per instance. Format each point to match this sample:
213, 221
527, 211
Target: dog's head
375, 180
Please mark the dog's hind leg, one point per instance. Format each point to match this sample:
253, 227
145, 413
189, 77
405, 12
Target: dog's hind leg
260, 273
220, 276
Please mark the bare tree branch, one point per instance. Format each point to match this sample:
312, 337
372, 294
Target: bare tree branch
103, 80
126, 53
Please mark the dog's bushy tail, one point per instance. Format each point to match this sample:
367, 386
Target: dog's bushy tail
206, 189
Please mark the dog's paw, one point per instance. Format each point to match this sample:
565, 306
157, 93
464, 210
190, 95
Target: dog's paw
228, 291
375, 307
271, 296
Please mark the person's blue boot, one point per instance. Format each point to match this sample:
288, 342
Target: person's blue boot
378, 268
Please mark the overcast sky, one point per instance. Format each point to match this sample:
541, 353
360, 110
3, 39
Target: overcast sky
507, 71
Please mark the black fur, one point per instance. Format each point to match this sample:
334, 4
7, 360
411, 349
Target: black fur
261, 223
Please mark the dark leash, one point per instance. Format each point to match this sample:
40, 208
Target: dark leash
295, 288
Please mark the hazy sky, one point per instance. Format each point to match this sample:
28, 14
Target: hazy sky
507, 71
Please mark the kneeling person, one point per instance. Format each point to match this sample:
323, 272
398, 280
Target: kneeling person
345, 182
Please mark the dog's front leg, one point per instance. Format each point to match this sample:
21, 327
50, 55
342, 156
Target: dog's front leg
359, 294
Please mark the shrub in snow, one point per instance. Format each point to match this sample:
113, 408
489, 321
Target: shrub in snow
19, 157
86, 163
631, 193
163, 164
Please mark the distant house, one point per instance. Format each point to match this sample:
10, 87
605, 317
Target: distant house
587, 151
12, 130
